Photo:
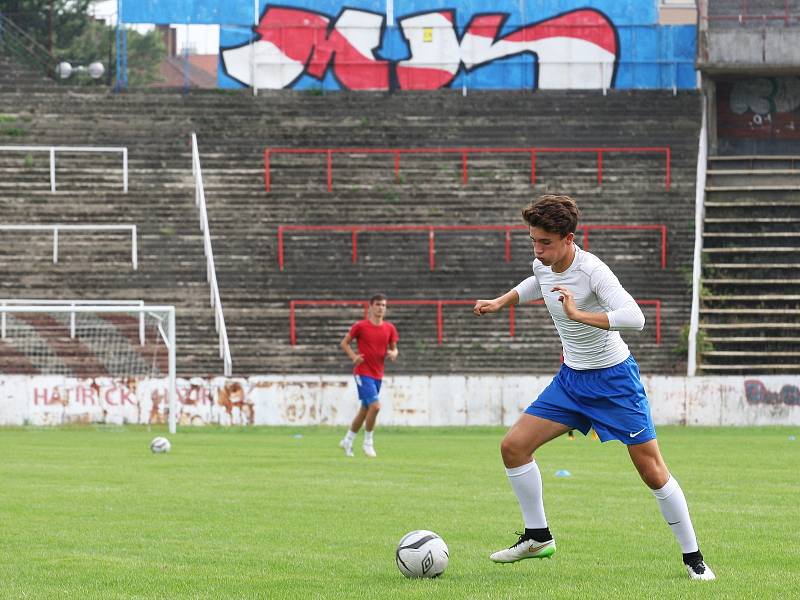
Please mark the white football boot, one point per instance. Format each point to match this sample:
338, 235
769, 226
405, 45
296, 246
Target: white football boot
700, 572
348, 447
525, 548
369, 450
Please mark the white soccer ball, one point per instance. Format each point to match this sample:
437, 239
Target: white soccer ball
422, 553
160, 445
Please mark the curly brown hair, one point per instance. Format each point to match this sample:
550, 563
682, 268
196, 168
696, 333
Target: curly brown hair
554, 214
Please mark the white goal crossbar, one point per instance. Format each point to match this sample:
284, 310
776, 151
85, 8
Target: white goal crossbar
165, 315
51, 303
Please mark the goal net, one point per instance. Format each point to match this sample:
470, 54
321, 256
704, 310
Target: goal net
90, 339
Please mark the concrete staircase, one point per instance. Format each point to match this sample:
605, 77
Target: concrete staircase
750, 312
234, 128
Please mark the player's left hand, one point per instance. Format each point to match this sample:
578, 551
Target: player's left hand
567, 300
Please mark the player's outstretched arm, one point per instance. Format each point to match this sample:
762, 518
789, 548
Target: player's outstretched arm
483, 307
348, 349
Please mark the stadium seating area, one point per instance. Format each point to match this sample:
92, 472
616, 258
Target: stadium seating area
235, 128
750, 286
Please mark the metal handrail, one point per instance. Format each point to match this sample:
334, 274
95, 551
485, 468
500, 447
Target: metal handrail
52, 150
743, 15
28, 302
439, 304
697, 257
55, 228
354, 230
211, 273
465, 152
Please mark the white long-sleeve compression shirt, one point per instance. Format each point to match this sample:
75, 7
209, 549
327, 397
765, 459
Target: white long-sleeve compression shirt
596, 289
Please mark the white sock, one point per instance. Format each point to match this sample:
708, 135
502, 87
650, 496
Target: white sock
367, 437
526, 481
351, 435
673, 506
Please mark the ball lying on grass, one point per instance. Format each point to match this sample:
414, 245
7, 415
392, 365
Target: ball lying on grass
422, 553
160, 445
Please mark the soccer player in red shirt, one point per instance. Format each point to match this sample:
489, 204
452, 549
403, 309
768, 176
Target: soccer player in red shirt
377, 340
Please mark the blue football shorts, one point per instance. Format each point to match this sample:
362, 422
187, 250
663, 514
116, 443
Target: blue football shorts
368, 389
612, 400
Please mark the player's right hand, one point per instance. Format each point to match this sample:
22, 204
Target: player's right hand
485, 306
358, 359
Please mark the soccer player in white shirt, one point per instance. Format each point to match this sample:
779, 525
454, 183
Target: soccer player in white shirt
598, 385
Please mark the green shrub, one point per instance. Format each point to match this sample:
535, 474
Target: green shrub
13, 132
703, 345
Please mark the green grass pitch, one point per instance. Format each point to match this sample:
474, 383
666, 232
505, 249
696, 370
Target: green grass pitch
281, 513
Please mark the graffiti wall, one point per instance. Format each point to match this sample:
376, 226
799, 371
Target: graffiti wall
759, 114
432, 44
418, 401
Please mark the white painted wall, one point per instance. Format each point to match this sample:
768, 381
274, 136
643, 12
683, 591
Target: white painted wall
408, 400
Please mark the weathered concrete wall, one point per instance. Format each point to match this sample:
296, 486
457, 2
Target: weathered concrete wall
770, 49
418, 401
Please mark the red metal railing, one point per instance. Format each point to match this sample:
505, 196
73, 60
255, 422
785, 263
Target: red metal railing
744, 15
439, 304
354, 230
464, 152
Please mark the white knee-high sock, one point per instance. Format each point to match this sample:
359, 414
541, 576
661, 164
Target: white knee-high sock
673, 506
526, 481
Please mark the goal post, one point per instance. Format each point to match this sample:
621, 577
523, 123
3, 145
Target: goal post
88, 339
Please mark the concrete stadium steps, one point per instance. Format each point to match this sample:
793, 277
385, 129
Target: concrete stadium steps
233, 130
480, 254
750, 311
750, 225
753, 178
299, 119
98, 264
14, 76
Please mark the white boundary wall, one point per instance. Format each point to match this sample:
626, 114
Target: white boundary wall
407, 400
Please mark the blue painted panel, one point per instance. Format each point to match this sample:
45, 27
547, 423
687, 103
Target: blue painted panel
645, 46
685, 41
232, 12
198, 12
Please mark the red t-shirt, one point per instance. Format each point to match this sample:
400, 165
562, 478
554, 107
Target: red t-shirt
373, 341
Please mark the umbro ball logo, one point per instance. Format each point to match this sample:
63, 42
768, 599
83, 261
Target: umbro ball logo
427, 562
